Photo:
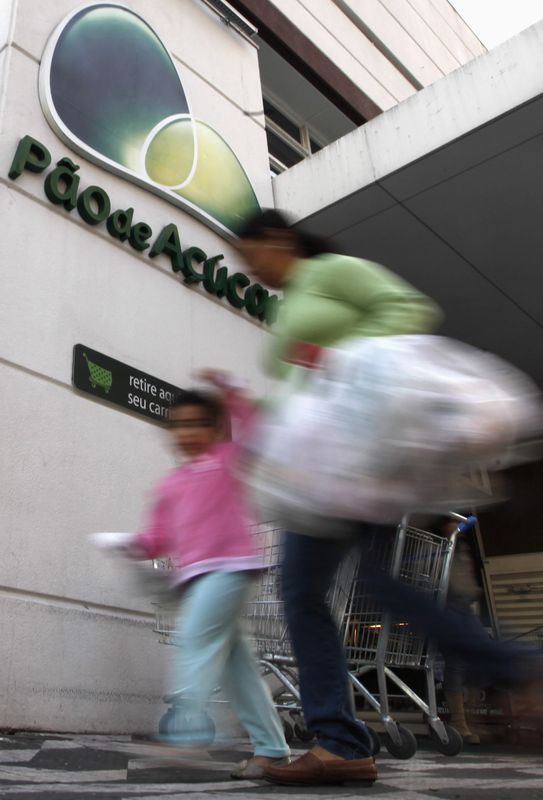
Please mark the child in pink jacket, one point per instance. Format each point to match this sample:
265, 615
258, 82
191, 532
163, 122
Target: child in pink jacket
200, 519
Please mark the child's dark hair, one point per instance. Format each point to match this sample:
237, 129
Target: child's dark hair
211, 405
257, 226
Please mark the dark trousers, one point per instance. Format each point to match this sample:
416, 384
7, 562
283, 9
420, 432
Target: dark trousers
309, 567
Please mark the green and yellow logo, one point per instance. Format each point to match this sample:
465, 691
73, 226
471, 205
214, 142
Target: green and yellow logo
110, 89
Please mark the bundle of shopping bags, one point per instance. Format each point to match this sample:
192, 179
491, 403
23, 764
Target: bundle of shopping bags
379, 426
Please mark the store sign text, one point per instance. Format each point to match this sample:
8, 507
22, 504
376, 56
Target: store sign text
114, 382
93, 205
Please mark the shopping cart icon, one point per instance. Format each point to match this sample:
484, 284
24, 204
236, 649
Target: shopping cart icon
99, 376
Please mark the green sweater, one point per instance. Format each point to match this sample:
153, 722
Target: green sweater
332, 297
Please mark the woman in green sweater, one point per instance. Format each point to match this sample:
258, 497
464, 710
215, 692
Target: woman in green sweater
327, 298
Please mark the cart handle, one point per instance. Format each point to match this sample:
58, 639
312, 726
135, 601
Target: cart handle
467, 524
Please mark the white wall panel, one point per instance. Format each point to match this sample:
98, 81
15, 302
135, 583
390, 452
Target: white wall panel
421, 30
79, 652
343, 33
78, 669
360, 74
383, 26
462, 30
450, 40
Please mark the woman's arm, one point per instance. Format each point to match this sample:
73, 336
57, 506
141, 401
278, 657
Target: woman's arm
345, 291
337, 297
390, 306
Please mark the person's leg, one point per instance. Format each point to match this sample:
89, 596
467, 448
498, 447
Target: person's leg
207, 620
308, 570
251, 700
453, 686
454, 675
457, 633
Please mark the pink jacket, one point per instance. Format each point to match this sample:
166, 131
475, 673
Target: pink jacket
200, 517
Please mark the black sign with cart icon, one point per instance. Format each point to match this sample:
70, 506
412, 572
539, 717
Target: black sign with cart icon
110, 380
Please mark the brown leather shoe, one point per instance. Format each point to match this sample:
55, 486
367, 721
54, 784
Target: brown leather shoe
309, 770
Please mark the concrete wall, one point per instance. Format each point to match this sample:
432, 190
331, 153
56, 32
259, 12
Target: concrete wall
78, 648
389, 48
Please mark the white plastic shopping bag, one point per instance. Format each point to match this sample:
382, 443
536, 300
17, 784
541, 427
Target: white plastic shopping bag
389, 424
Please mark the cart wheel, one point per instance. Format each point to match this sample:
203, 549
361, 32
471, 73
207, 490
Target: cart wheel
288, 731
404, 749
450, 748
375, 741
302, 733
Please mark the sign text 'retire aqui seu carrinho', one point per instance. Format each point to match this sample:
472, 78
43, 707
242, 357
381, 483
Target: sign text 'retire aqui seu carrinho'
122, 385
93, 204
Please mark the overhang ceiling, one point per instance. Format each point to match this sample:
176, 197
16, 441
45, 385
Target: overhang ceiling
463, 221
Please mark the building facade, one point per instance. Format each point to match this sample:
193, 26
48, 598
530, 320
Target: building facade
134, 138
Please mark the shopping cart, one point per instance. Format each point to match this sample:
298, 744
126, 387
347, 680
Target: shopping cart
377, 641
267, 627
373, 639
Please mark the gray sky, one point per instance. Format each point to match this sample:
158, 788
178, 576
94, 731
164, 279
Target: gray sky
494, 21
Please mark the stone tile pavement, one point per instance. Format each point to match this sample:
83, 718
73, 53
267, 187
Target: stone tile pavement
62, 767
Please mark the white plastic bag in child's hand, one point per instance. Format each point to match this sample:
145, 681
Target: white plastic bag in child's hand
112, 540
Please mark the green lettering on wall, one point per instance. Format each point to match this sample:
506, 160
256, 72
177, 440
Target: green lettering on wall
139, 234
93, 205
30, 155
189, 256
168, 243
61, 184
238, 279
215, 279
256, 298
61, 187
118, 223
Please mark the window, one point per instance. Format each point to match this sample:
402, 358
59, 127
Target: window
288, 143
300, 120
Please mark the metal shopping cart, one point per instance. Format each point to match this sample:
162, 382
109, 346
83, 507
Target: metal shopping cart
373, 639
377, 641
267, 627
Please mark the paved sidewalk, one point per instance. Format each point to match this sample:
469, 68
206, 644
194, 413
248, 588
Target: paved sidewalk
52, 767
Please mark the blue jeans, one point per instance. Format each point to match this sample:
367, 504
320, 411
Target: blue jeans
212, 650
309, 567
459, 634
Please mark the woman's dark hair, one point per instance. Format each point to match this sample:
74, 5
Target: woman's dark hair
258, 225
193, 397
